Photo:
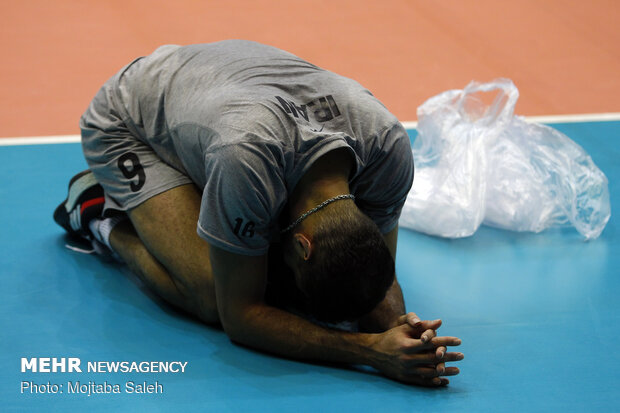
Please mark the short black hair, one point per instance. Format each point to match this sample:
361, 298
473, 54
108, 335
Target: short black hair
350, 268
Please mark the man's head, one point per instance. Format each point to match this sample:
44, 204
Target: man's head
341, 263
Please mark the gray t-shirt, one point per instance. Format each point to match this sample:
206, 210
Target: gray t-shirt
245, 121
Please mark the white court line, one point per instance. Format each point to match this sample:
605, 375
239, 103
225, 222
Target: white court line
39, 140
588, 117
410, 125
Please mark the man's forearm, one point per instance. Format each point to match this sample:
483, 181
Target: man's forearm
276, 331
385, 315
395, 353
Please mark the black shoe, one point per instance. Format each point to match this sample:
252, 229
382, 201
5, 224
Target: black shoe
84, 202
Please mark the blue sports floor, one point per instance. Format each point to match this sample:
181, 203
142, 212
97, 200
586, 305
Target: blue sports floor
539, 315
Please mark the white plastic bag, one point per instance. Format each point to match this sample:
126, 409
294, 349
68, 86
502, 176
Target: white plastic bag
478, 163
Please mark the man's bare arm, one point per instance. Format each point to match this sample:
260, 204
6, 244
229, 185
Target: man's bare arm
240, 286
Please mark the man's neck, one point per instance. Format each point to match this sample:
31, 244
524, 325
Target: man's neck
326, 178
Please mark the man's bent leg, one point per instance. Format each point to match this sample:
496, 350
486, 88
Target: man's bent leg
144, 265
165, 251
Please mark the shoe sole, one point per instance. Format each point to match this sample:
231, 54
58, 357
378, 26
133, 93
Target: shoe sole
79, 184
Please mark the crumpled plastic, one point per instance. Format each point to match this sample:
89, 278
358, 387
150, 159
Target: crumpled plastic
478, 163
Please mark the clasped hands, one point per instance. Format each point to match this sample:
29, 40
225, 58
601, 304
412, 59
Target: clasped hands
411, 352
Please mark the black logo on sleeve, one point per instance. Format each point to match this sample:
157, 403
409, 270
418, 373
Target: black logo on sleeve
322, 109
248, 228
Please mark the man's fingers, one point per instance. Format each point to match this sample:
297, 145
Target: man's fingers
426, 325
414, 321
428, 335
425, 372
445, 341
427, 382
431, 325
436, 344
435, 382
453, 357
410, 318
428, 375
437, 371
440, 352
431, 358
451, 371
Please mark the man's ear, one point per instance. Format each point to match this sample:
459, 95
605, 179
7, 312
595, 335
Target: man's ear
303, 246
